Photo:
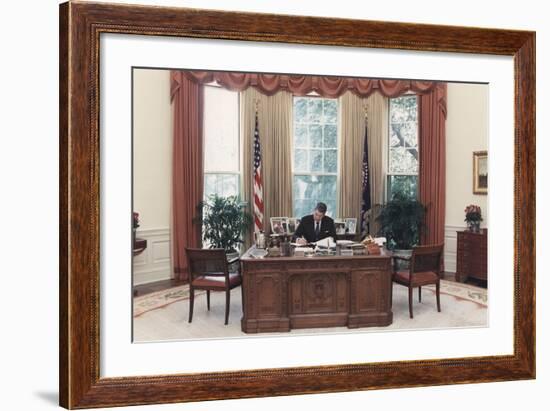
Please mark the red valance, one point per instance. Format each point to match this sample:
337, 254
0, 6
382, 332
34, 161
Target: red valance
301, 85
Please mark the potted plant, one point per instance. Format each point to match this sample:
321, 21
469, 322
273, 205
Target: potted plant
400, 222
473, 217
224, 221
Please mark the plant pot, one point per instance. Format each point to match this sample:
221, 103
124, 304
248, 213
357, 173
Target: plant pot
231, 256
401, 265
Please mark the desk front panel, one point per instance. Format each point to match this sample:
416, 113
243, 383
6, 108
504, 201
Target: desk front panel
281, 294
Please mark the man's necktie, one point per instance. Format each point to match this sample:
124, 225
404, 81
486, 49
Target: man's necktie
317, 230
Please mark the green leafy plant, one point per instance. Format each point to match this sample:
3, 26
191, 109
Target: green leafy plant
401, 220
224, 221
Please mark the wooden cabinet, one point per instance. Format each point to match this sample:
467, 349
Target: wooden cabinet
471, 255
281, 293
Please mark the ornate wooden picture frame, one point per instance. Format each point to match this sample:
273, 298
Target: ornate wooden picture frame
480, 175
81, 25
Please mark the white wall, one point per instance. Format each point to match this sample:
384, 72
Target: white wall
466, 132
152, 170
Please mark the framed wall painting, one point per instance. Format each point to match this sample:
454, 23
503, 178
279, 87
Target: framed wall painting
85, 343
480, 172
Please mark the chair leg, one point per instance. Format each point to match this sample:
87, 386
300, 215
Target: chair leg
191, 303
419, 294
227, 300
208, 299
437, 296
411, 302
391, 294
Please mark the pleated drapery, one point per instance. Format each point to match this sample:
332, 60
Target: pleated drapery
351, 147
275, 129
432, 109
351, 123
377, 124
187, 168
301, 85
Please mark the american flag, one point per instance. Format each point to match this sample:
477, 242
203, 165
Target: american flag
366, 203
258, 186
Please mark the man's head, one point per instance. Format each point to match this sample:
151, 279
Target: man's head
320, 211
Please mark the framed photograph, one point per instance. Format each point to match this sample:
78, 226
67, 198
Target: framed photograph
279, 225
480, 172
293, 224
350, 225
125, 68
340, 226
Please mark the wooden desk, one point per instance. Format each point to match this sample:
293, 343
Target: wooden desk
282, 293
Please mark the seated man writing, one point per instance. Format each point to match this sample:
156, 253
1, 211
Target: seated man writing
315, 227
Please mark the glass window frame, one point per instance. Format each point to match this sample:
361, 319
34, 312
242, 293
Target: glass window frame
309, 147
239, 172
389, 173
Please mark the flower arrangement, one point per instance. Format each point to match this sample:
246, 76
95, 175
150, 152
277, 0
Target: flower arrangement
473, 217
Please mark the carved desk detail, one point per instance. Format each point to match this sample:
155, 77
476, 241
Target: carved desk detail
282, 293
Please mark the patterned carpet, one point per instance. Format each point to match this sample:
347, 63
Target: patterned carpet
162, 315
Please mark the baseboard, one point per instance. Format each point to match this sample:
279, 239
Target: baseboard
153, 264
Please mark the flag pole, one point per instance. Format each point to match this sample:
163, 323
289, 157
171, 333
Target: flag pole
365, 214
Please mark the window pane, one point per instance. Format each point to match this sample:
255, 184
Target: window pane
300, 110
407, 185
315, 110
316, 154
300, 136
209, 184
229, 185
404, 134
331, 161
221, 130
309, 190
315, 136
403, 138
403, 108
224, 185
403, 161
329, 136
330, 111
300, 160
315, 160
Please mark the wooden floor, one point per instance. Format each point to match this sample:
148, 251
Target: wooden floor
143, 289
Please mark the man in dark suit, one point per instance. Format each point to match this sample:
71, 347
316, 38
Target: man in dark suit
315, 227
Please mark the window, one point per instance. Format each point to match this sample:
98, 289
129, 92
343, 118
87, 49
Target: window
403, 147
221, 142
315, 164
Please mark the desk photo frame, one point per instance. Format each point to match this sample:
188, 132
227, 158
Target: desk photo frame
81, 384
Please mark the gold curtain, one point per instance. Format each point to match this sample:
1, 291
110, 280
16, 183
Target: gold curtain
275, 128
351, 123
378, 128
351, 147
